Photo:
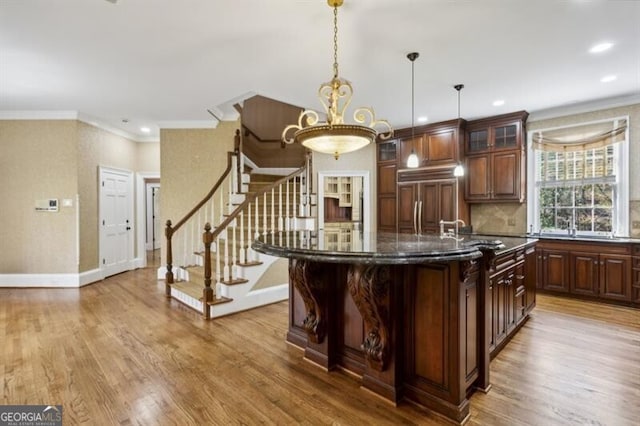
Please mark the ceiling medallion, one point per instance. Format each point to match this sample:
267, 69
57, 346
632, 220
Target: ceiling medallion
334, 136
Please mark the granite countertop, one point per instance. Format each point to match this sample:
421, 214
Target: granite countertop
383, 248
564, 237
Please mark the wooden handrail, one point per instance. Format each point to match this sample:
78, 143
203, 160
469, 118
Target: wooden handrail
251, 199
170, 230
209, 194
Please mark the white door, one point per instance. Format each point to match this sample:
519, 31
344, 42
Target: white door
116, 221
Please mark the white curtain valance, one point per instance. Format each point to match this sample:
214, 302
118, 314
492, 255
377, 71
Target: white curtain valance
582, 137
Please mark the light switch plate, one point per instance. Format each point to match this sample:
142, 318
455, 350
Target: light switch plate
67, 202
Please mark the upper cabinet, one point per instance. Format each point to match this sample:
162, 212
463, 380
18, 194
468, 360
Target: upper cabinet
434, 144
495, 159
387, 155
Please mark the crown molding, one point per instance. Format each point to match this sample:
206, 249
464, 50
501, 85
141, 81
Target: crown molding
188, 124
38, 115
96, 122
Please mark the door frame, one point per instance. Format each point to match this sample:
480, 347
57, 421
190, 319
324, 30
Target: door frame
141, 216
131, 213
152, 241
366, 194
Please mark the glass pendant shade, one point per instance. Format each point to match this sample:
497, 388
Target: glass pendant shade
458, 171
334, 136
413, 161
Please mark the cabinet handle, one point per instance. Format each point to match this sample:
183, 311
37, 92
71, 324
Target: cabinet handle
519, 277
602, 262
415, 215
420, 217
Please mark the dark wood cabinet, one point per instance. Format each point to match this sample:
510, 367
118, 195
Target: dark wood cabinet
510, 294
387, 171
415, 200
603, 271
555, 270
584, 267
495, 159
434, 144
615, 277
422, 205
635, 271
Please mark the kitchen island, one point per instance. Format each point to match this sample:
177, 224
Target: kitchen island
414, 316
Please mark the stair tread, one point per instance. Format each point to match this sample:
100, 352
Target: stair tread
195, 290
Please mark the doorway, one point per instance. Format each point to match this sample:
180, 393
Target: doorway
153, 238
344, 200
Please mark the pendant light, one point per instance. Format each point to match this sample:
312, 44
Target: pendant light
334, 136
459, 169
412, 161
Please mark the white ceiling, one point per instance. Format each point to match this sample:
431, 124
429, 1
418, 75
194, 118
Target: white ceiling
165, 62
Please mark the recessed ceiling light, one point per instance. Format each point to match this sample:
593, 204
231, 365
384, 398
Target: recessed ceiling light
608, 78
498, 102
422, 119
145, 129
601, 47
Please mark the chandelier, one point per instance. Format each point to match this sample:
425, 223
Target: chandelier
334, 136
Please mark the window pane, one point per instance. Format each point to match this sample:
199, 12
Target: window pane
564, 196
584, 220
563, 218
602, 222
584, 195
547, 218
603, 194
547, 197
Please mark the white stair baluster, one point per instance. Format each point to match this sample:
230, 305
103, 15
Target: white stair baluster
226, 257
280, 218
287, 225
265, 220
273, 210
243, 247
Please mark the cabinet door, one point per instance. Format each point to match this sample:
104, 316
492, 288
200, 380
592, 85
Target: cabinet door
531, 279
387, 179
477, 140
506, 137
500, 295
491, 309
615, 277
505, 182
519, 289
555, 270
429, 197
471, 328
440, 147
584, 271
477, 185
407, 208
509, 300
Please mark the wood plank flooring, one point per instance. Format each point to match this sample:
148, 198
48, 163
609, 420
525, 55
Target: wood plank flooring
119, 352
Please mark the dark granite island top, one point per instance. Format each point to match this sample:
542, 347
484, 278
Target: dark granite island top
381, 248
411, 315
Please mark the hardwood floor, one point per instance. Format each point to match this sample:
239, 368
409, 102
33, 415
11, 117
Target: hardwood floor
119, 352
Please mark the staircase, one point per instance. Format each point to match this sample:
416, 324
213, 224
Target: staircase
218, 273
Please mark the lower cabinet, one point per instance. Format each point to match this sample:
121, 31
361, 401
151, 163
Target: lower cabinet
635, 271
510, 293
601, 271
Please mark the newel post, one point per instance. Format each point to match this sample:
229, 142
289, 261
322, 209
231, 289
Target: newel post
168, 232
207, 292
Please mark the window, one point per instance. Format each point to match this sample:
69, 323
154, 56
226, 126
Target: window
578, 179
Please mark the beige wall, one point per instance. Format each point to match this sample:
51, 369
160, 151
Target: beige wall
97, 147
191, 161
363, 159
148, 156
491, 218
38, 160
57, 159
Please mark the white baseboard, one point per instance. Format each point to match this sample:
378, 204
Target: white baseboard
51, 280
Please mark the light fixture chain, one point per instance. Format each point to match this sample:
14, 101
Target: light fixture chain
335, 42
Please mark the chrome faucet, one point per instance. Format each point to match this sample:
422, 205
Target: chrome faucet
452, 232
